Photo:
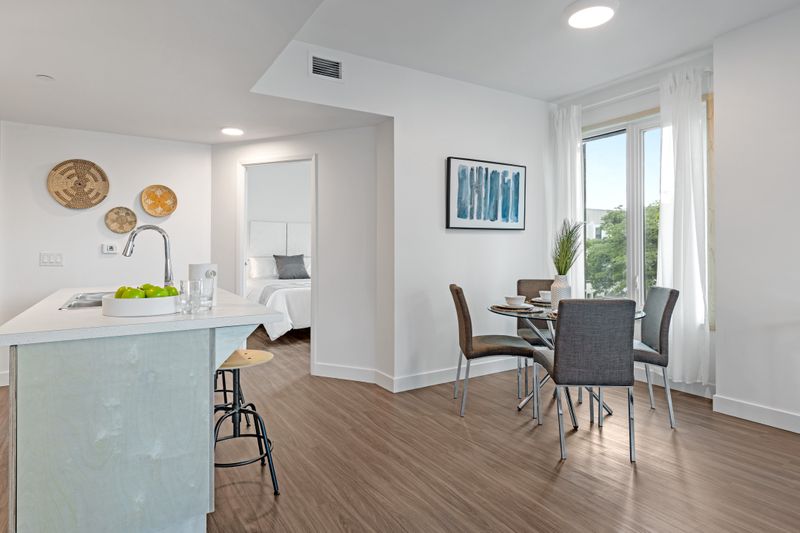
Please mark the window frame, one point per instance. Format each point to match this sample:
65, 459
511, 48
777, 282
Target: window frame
634, 185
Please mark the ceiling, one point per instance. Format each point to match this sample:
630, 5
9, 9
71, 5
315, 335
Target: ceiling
524, 46
177, 69
183, 69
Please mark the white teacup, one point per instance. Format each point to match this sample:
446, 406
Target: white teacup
544, 295
515, 300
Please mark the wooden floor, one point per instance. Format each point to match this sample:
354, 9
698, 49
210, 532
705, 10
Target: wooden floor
354, 457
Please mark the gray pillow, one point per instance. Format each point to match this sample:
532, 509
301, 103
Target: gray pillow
291, 267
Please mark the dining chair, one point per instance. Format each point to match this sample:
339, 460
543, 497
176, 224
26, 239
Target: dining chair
529, 288
475, 347
593, 348
653, 349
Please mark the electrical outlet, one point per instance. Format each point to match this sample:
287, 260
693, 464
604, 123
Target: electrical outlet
51, 259
108, 249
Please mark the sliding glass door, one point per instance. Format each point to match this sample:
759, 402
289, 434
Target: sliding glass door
622, 184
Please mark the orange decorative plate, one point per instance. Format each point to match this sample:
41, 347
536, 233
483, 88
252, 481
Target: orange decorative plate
77, 184
120, 220
159, 200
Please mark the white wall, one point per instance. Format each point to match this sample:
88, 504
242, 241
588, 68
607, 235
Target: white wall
279, 192
436, 117
757, 85
344, 268
32, 221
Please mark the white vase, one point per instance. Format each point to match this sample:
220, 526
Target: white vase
559, 290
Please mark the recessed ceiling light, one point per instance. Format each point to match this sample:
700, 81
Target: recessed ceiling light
45, 77
232, 131
585, 14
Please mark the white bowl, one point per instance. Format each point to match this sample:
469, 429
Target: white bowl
515, 300
139, 306
544, 295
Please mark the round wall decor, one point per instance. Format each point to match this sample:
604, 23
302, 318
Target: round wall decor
77, 184
159, 200
120, 220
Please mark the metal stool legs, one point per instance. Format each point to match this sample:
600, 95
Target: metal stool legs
234, 411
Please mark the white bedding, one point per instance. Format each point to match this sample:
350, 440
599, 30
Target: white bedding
290, 297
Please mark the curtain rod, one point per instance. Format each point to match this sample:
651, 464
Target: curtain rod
631, 94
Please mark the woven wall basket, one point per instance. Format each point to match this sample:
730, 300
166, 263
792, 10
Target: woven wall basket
120, 220
159, 200
77, 184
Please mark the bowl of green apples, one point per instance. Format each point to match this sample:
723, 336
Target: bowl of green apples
144, 300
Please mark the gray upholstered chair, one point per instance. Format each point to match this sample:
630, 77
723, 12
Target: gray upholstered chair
653, 349
475, 347
593, 347
529, 288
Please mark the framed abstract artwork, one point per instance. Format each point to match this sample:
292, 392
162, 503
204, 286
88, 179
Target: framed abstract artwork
485, 194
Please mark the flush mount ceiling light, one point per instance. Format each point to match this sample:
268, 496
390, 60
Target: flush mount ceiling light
232, 131
585, 14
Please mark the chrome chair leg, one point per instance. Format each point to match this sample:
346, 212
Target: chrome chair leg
600, 411
672, 423
535, 402
561, 439
519, 378
464, 392
591, 405
631, 437
571, 408
527, 390
649, 386
458, 376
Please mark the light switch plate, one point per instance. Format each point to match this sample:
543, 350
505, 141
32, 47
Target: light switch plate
51, 259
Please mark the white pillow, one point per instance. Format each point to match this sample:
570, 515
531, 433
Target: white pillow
262, 268
307, 261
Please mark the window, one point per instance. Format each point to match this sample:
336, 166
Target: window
622, 184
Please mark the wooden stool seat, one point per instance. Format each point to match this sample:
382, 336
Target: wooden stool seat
246, 358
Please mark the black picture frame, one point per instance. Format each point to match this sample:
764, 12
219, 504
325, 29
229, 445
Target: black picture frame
475, 220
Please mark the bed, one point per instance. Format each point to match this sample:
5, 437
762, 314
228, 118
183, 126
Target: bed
290, 297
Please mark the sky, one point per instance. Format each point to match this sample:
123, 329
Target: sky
605, 170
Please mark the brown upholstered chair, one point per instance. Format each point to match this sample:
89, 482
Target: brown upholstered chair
475, 347
653, 349
529, 288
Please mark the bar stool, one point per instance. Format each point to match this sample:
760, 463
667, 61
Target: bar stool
237, 407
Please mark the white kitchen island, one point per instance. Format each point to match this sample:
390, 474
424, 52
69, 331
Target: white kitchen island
111, 418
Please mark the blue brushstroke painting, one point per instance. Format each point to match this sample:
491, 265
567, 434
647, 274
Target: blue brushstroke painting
506, 201
488, 195
515, 198
463, 192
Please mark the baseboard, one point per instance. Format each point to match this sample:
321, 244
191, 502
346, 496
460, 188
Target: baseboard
757, 413
447, 375
352, 373
4, 378
413, 381
695, 389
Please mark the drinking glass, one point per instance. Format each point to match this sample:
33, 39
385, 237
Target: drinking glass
207, 294
190, 295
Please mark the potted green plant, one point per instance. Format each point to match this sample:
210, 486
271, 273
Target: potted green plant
566, 248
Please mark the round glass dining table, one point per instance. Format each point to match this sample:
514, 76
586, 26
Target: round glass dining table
547, 315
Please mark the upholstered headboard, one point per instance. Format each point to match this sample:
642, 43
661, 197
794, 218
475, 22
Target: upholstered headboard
279, 238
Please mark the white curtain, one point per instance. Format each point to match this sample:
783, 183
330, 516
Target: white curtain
682, 224
564, 186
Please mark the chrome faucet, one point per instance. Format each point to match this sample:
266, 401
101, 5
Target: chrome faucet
128, 251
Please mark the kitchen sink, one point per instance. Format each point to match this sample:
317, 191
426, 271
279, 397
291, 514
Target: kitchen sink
82, 300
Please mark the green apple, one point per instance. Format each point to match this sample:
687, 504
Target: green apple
133, 293
156, 292
171, 291
120, 291
147, 286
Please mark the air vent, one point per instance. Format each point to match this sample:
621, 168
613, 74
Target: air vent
327, 68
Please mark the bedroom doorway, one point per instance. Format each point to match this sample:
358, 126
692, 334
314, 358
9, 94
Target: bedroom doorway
276, 245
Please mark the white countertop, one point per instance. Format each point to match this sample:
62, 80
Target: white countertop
44, 322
